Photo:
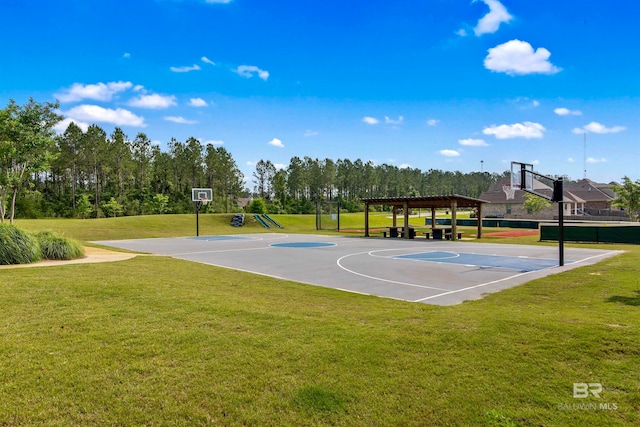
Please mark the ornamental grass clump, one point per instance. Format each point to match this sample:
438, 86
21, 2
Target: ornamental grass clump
57, 247
17, 246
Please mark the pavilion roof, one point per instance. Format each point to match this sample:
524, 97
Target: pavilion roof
428, 201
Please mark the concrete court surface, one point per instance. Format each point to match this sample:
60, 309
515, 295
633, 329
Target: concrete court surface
418, 270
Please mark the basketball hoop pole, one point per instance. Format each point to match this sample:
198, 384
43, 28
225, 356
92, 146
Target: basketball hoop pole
197, 208
558, 188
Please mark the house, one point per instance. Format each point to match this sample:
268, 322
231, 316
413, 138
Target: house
581, 198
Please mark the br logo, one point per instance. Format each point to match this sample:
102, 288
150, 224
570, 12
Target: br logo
582, 390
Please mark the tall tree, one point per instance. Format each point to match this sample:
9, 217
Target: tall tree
26, 146
141, 153
119, 158
222, 175
264, 178
628, 197
68, 162
94, 150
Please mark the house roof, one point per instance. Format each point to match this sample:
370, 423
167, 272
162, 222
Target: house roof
590, 191
582, 191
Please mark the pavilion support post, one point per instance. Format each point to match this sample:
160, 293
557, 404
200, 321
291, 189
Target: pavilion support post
433, 218
394, 209
405, 211
454, 226
479, 216
366, 220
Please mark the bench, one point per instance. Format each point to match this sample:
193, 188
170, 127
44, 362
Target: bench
412, 233
448, 236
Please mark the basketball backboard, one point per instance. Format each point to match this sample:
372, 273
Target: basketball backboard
521, 176
201, 195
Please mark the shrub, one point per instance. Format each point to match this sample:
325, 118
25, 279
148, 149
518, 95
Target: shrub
57, 247
17, 246
257, 206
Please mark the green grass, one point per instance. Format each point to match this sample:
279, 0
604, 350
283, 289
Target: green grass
159, 341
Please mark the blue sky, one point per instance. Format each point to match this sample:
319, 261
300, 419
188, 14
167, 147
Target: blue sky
443, 84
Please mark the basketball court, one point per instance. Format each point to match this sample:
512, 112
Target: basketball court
417, 270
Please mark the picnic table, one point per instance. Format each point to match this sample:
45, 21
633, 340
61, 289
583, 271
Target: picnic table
395, 231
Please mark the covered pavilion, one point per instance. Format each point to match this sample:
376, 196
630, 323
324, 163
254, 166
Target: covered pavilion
452, 202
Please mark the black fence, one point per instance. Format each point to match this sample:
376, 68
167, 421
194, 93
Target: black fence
593, 233
488, 222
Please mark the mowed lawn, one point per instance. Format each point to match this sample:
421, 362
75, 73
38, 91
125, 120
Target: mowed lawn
158, 341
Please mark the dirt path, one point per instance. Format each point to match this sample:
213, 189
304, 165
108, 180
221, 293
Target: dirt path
92, 255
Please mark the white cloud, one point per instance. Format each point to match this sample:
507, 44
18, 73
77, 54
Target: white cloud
491, 21
154, 101
126, 55
207, 60
566, 112
97, 92
535, 103
95, 113
280, 166
371, 120
391, 121
218, 1
473, 142
276, 143
310, 132
62, 126
516, 57
214, 142
433, 122
461, 32
185, 69
570, 160
180, 120
592, 160
249, 71
526, 130
198, 102
405, 166
449, 153
596, 127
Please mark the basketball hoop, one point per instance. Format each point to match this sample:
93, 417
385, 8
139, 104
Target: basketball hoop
204, 200
510, 191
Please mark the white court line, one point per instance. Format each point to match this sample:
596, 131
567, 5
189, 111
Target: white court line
477, 286
378, 278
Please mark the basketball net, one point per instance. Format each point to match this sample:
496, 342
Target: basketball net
509, 191
204, 201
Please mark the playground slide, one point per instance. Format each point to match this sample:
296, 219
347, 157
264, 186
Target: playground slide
272, 221
261, 221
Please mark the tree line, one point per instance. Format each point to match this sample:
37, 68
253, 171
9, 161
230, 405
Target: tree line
94, 174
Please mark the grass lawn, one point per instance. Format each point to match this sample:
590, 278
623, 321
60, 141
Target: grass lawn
158, 341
